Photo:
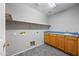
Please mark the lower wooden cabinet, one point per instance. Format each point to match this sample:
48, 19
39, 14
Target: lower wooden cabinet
53, 40
71, 45
78, 46
68, 44
60, 41
46, 38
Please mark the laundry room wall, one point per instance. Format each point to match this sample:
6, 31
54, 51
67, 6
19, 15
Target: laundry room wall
67, 20
19, 43
24, 13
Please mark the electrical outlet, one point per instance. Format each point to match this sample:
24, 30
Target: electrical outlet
32, 43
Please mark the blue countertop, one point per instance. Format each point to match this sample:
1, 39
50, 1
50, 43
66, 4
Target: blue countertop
64, 33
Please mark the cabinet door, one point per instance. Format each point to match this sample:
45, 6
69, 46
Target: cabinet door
53, 40
78, 46
71, 45
46, 38
60, 41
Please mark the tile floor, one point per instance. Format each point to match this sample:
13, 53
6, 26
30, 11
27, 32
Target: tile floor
43, 50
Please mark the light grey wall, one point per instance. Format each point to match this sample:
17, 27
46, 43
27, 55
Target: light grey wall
19, 43
67, 20
21, 12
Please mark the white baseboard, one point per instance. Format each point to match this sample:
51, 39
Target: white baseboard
27, 49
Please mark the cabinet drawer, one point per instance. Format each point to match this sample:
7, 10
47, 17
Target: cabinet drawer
60, 36
52, 34
71, 37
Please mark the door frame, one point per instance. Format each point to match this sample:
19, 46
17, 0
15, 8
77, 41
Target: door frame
2, 29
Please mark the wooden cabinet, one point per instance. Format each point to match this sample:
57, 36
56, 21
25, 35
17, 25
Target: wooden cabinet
78, 46
53, 40
46, 38
50, 39
71, 45
60, 41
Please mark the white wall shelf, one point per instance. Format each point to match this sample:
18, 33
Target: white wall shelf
11, 24
25, 25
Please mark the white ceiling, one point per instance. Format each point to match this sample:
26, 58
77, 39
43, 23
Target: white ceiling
44, 7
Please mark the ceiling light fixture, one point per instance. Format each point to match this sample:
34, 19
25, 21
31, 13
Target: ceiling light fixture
52, 5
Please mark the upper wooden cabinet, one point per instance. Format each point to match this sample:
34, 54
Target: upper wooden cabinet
71, 45
60, 41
